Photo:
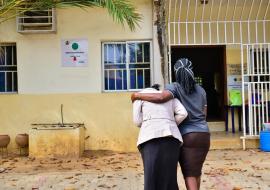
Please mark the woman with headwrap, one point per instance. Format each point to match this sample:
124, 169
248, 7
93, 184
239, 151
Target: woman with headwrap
159, 140
194, 128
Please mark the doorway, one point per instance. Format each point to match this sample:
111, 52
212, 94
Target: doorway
209, 66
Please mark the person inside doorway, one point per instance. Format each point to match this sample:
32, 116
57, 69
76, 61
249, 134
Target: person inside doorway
159, 140
194, 128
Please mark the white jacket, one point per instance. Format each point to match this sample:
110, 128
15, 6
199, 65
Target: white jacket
158, 120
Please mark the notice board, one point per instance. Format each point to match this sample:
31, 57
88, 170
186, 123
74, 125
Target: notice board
74, 52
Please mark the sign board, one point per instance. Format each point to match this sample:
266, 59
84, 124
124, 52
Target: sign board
235, 69
74, 52
235, 90
234, 84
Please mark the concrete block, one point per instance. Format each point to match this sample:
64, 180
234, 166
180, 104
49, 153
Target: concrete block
57, 142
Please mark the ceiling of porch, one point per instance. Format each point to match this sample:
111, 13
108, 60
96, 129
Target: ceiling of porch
218, 10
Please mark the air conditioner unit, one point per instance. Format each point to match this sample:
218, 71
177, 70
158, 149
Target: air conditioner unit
37, 21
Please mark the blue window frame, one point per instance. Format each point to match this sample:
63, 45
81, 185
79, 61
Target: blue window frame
126, 65
8, 69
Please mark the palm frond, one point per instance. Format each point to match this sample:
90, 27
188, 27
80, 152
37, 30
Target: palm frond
122, 11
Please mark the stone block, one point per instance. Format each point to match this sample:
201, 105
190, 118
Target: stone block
56, 142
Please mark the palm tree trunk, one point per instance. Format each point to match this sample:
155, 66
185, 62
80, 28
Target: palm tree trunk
160, 11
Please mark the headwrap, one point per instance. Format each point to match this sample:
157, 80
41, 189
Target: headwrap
185, 64
184, 75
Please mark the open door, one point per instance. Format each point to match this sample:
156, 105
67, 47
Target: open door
210, 70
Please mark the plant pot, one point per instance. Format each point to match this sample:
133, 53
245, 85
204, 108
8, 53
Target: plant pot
22, 140
4, 141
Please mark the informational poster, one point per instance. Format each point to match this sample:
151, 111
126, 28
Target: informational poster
74, 52
234, 84
235, 90
235, 69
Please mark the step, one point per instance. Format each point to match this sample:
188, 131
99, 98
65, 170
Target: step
215, 126
223, 140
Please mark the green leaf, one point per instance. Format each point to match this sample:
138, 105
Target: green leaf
122, 11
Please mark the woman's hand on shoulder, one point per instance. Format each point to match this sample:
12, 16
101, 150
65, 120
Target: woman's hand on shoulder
134, 96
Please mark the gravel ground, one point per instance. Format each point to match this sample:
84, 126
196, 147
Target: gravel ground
223, 170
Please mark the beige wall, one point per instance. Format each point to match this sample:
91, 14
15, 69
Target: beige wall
44, 85
107, 117
39, 55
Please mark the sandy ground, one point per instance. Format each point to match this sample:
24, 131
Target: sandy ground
223, 170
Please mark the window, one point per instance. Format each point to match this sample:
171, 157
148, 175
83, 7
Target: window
127, 65
8, 69
37, 21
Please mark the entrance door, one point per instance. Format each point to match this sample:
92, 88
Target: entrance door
209, 70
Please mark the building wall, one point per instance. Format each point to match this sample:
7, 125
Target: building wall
39, 55
107, 117
44, 85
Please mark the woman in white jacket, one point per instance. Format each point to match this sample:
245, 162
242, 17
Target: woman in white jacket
159, 140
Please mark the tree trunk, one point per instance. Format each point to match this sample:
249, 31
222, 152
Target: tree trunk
160, 22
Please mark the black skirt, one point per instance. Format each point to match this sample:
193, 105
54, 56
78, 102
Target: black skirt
193, 153
160, 158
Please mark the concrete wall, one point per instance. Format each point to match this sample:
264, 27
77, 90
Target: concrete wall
107, 117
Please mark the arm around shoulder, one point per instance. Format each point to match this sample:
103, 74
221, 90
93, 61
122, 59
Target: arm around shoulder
162, 97
180, 111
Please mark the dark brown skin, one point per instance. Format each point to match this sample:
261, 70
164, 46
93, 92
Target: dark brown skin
205, 111
193, 183
162, 97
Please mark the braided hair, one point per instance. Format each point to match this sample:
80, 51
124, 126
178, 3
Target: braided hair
184, 75
156, 86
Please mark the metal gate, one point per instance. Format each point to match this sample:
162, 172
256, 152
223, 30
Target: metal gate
239, 24
255, 60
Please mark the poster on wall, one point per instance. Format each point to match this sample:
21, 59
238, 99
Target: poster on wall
234, 90
235, 69
74, 52
234, 84
234, 78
